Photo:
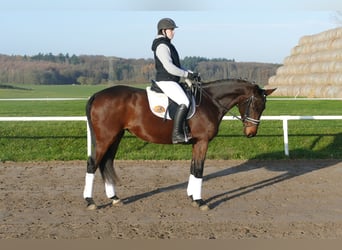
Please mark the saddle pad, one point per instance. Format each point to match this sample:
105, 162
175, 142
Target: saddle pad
159, 102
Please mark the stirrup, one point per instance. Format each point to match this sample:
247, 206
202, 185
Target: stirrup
181, 139
177, 140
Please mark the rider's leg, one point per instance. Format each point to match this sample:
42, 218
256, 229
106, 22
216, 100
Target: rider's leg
178, 133
176, 93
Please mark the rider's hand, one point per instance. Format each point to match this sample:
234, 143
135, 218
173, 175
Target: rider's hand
193, 76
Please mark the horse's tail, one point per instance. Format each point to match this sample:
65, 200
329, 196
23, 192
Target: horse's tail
107, 171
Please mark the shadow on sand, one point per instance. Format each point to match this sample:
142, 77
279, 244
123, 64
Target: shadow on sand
287, 171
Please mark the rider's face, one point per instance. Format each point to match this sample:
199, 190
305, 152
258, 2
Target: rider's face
170, 33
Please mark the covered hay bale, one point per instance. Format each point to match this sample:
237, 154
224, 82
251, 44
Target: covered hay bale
308, 91
314, 67
323, 36
320, 56
311, 68
315, 47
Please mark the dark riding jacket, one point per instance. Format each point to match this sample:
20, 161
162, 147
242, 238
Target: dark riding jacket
162, 74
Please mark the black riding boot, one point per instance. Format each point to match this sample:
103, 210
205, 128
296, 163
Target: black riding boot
178, 125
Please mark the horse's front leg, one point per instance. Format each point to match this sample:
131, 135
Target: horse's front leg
194, 189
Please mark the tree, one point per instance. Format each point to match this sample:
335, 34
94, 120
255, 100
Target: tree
88, 69
191, 62
74, 60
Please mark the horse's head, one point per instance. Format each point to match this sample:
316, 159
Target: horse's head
251, 108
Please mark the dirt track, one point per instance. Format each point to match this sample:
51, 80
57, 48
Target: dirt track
248, 199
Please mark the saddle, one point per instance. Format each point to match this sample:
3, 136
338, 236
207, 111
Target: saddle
162, 106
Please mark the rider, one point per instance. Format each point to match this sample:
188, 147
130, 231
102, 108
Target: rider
169, 72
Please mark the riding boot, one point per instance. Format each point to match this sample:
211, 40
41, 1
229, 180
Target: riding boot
178, 125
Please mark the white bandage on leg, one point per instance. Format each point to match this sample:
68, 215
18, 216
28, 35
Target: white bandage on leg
88, 188
190, 186
110, 191
195, 187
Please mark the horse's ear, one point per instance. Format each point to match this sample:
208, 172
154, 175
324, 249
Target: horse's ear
269, 91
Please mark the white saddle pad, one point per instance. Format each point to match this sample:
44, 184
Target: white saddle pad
158, 104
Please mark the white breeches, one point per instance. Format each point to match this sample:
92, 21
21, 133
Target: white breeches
174, 91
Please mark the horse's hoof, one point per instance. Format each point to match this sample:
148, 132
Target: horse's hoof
201, 204
90, 204
91, 207
204, 207
116, 201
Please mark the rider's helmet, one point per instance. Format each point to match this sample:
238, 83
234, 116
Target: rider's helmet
166, 23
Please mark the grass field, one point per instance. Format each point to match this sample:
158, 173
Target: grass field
36, 141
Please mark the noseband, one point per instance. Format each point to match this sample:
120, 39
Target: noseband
246, 117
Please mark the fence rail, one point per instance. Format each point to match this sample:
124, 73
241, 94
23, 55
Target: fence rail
52, 118
286, 118
283, 118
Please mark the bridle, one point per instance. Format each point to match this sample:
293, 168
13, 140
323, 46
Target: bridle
245, 118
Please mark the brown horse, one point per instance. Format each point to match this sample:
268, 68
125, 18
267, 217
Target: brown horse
113, 110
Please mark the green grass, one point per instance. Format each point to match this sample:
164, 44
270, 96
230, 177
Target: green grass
27, 141
303, 107
37, 141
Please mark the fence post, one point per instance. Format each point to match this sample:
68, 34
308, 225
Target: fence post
286, 137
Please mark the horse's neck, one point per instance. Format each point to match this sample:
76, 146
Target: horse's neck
225, 96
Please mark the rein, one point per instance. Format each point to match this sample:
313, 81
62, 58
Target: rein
245, 117
196, 88
225, 110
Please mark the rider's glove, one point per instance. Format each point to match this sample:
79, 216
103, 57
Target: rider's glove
193, 76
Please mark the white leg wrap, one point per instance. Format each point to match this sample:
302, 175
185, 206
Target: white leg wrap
195, 187
88, 188
110, 191
190, 187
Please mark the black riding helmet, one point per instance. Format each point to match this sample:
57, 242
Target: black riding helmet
166, 23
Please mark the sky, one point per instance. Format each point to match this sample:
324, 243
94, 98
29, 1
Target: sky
244, 30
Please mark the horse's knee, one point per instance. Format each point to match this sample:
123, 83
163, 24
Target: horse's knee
91, 168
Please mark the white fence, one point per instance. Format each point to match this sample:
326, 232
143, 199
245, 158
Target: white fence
52, 118
286, 118
283, 118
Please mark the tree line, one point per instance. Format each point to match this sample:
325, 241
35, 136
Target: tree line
97, 69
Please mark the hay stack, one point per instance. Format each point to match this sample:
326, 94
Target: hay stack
314, 68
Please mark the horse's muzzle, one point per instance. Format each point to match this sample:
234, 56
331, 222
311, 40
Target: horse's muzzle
250, 131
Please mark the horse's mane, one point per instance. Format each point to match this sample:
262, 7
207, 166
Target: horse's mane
227, 81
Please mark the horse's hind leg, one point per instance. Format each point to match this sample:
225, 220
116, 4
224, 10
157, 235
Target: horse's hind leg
89, 183
105, 161
108, 172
